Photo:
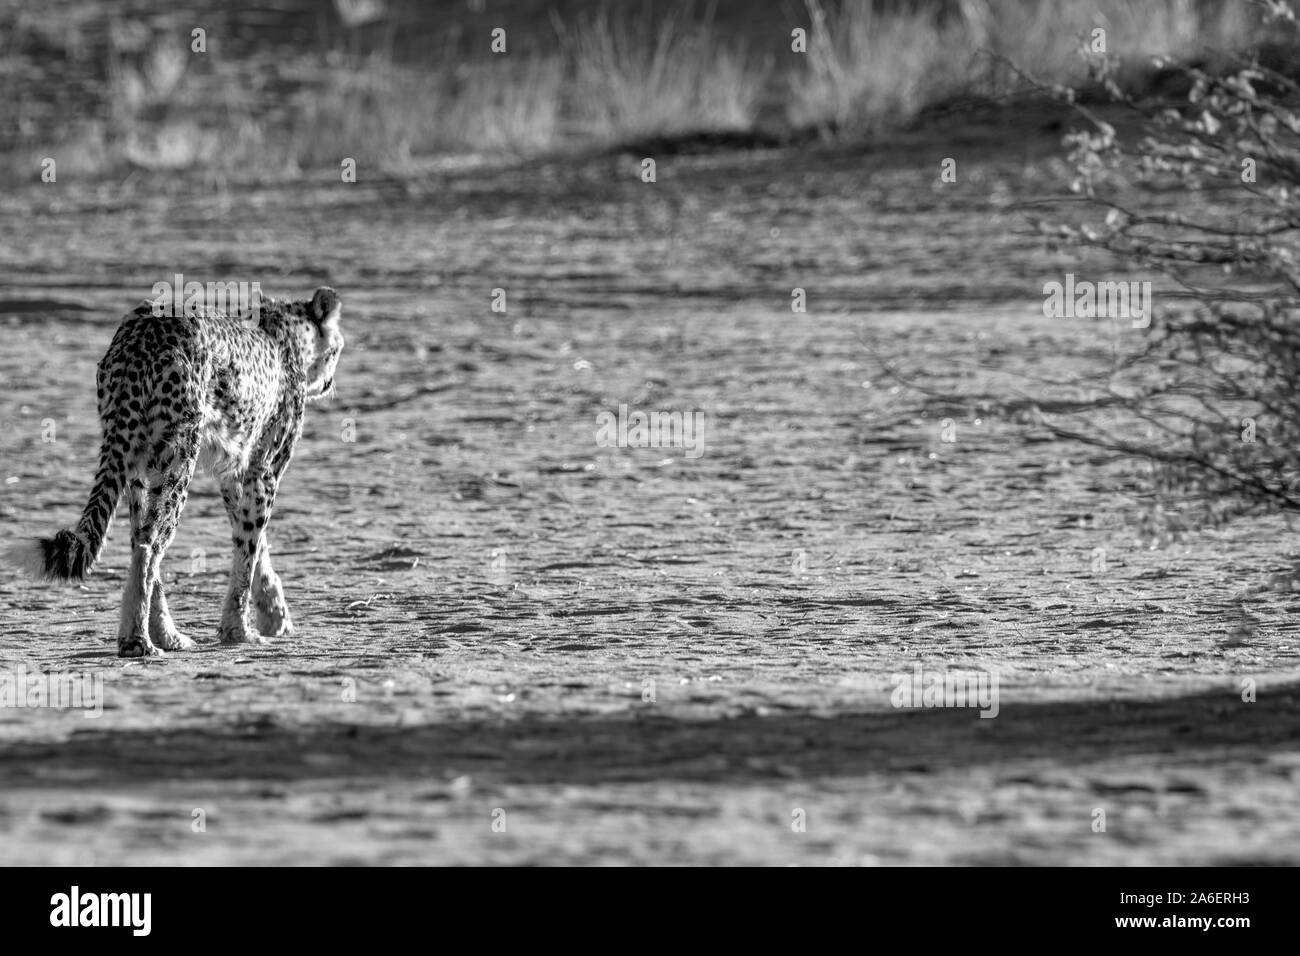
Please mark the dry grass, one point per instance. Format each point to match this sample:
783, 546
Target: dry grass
870, 65
865, 67
613, 78
638, 75
1046, 38
396, 113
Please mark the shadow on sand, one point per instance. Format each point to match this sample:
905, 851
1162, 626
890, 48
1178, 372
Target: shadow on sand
1200, 729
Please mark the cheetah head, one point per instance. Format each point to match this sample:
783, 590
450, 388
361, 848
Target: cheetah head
322, 341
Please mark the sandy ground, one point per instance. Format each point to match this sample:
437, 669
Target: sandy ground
515, 646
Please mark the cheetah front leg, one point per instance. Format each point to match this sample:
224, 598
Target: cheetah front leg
248, 504
268, 595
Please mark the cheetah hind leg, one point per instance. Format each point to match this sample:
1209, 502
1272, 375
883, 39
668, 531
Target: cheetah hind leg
133, 634
162, 629
133, 638
154, 517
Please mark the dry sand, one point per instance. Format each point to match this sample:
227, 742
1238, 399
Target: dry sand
485, 598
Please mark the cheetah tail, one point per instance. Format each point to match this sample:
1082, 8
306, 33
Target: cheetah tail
69, 555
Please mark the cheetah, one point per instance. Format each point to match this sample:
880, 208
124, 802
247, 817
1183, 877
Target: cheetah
179, 392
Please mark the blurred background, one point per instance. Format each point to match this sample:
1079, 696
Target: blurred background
117, 84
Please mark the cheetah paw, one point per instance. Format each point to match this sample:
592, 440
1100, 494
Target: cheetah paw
274, 621
240, 635
176, 641
139, 648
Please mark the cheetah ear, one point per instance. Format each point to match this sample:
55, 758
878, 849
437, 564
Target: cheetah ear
325, 306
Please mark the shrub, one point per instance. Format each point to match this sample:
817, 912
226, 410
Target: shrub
1208, 195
